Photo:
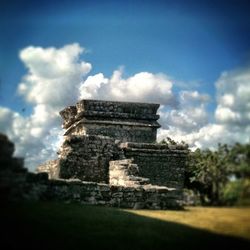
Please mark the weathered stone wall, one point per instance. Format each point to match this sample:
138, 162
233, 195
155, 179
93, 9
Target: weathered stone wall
100, 159
162, 164
87, 157
38, 187
139, 197
125, 121
117, 107
16, 183
120, 130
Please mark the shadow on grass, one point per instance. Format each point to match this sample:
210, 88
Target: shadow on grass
47, 225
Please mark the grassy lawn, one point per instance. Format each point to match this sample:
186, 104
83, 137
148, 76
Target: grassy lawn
227, 221
47, 225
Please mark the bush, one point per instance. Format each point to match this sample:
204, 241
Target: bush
232, 192
237, 192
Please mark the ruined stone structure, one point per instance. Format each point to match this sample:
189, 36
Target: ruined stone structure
109, 157
114, 143
16, 183
98, 132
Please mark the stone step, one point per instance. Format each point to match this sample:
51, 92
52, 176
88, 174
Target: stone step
139, 179
125, 173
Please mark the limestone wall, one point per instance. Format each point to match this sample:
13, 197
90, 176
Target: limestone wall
162, 164
38, 187
16, 183
87, 157
120, 130
100, 159
140, 197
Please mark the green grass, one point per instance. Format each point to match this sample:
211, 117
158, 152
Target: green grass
228, 221
47, 225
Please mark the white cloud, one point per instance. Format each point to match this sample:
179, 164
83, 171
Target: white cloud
190, 115
232, 114
142, 87
89, 89
227, 100
193, 97
226, 115
52, 82
233, 96
51, 63
207, 136
53, 75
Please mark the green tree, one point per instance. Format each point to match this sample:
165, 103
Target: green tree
208, 173
239, 160
213, 173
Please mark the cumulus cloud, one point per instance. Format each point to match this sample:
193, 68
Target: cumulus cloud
57, 77
141, 87
194, 98
233, 95
53, 75
206, 137
190, 115
231, 117
51, 83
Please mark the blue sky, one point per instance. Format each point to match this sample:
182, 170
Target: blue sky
190, 42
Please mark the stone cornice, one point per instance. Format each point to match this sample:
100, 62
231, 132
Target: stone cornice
84, 121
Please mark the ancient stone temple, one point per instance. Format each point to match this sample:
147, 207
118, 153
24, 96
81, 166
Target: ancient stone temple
98, 132
114, 143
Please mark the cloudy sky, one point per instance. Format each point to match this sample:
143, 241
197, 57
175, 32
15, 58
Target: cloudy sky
192, 57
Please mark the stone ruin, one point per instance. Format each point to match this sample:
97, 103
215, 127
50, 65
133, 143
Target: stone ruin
113, 145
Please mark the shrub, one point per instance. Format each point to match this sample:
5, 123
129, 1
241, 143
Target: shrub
237, 192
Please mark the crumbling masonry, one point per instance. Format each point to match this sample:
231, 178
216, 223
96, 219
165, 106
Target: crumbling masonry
114, 144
